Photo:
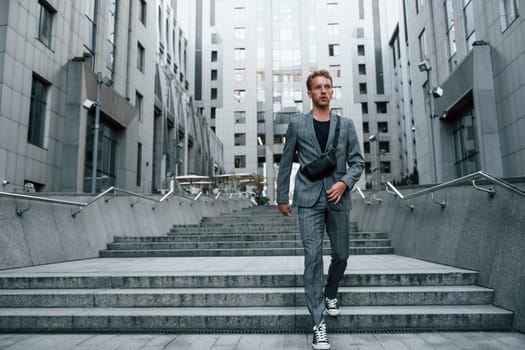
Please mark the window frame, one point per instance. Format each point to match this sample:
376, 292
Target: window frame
46, 19
37, 126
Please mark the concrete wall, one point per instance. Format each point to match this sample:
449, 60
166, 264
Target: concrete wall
473, 231
47, 233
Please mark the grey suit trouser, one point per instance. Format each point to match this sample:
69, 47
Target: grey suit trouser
313, 221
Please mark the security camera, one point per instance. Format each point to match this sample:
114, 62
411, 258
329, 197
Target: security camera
413, 129
424, 65
437, 92
5, 182
88, 104
372, 138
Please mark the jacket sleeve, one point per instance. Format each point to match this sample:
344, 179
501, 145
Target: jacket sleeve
354, 158
285, 166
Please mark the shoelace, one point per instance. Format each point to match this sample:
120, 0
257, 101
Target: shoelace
320, 333
332, 303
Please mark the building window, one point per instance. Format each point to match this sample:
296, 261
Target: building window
362, 88
361, 9
385, 167
213, 112
140, 57
382, 127
238, 13
381, 107
337, 111
214, 56
240, 117
139, 164
331, 8
508, 12
142, 11
239, 96
333, 29
366, 128
239, 162
451, 32
138, 104
45, 23
239, 74
366, 147
239, 33
337, 93
360, 50
239, 54
466, 151
384, 146
364, 106
240, 139
335, 71
214, 74
260, 117
368, 168
37, 112
360, 32
214, 93
468, 19
362, 69
333, 50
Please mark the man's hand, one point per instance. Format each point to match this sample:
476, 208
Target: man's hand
285, 209
335, 193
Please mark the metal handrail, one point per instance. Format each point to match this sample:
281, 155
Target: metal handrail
470, 177
81, 205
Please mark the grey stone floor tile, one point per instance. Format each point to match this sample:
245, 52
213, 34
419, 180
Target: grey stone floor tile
296, 341
357, 341
391, 342
48, 341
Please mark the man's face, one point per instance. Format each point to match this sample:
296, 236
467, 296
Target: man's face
321, 91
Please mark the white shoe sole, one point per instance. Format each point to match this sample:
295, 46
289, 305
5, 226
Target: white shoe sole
321, 346
332, 313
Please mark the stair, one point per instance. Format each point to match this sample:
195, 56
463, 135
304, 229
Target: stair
249, 290
256, 232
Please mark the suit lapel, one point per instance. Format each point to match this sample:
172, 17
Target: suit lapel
331, 133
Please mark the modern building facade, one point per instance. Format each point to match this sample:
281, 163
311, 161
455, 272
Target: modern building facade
63, 63
256, 56
459, 85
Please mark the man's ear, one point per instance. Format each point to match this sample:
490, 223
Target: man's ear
309, 93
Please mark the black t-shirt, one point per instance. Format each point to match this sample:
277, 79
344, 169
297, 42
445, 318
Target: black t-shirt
321, 131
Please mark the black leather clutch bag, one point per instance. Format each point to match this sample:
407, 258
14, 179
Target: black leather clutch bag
321, 167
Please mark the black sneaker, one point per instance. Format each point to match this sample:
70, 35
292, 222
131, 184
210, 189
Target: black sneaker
331, 307
320, 341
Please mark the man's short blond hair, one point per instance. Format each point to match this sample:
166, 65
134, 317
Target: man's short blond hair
317, 73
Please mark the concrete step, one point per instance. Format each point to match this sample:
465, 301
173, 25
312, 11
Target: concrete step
236, 237
241, 297
231, 229
232, 280
232, 252
230, 319
245, 244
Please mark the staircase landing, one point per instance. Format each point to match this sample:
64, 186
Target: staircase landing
118, 280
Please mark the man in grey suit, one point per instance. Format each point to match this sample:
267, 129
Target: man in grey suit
322, 203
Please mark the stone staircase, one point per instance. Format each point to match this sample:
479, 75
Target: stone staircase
256, 232
237, 273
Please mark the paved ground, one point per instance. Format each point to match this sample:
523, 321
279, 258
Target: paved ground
411, 341
247, 265
223, 265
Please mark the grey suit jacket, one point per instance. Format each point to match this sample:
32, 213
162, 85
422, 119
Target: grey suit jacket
301, 137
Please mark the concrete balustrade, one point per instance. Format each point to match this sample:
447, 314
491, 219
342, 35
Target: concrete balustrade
473, 231
47, 233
